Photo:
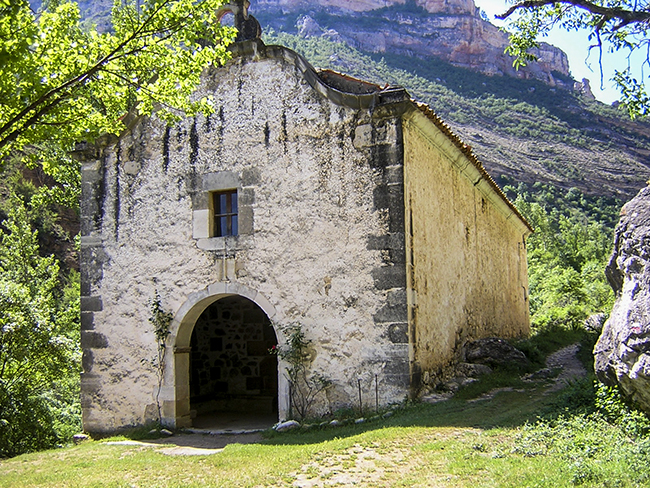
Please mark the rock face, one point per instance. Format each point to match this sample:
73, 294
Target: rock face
622, 354
432, 6
452, 30
493, 351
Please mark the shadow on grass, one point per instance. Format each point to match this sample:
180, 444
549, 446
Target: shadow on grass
515, 404
505, 409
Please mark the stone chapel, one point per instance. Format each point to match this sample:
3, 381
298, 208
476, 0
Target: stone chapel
307, 199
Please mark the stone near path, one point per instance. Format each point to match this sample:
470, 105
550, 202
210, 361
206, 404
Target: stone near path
622, 353
494, 351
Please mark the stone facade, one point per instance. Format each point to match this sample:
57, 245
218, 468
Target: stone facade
325, 169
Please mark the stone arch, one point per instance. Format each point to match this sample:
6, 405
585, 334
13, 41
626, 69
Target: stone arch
175, 395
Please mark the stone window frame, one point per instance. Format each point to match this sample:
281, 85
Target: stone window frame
203, 210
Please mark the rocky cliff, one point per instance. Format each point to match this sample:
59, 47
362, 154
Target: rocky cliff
432, 6
452, 30
622, 354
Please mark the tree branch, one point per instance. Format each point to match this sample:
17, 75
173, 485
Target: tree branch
627, 16
59, 91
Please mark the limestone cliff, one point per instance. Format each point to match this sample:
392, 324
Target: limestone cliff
432, 6
452, 30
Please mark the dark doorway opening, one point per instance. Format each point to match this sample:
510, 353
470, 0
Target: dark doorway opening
233, 376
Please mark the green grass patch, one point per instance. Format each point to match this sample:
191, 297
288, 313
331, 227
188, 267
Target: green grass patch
496, 442
521, 435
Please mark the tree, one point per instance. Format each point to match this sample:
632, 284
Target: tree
39, 335
611, 25
61, 83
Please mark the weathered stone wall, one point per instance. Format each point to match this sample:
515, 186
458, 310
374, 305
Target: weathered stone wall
465, 252
320, 220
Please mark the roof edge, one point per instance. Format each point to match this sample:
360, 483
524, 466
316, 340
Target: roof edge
324, 82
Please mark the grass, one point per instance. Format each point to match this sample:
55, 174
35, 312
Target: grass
458, 443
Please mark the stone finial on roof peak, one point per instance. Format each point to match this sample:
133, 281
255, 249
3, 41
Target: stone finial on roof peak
248, 28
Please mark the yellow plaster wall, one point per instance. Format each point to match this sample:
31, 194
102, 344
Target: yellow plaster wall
466, 254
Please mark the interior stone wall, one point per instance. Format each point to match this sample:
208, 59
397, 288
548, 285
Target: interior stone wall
231, 366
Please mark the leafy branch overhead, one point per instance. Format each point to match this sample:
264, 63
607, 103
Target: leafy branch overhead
61, 83
611, 26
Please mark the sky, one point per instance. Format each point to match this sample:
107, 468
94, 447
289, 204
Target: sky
576, 46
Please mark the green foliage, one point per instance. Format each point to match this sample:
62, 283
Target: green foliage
39, 339
567, 254
612, 406
304, 385
577, 398
620, 26
62, 83
589, 449
161, 321
593, 435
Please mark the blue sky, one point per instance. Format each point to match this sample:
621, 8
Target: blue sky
576, 45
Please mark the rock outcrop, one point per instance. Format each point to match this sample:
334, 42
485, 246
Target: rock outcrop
622, 354
493, 352
432, 6
452, 30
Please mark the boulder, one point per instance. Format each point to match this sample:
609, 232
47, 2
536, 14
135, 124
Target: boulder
469, 370
286, 426
595, 322
493, 351
622, 353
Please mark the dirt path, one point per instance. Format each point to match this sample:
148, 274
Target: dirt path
567, 359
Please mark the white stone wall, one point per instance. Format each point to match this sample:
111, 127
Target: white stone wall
309, 191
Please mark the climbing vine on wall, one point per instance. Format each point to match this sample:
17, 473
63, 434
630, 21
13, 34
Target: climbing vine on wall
304, 386
161, 321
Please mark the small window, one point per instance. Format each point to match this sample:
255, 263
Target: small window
225, 213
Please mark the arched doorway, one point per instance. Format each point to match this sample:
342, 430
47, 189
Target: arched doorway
233, 377
175, 394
